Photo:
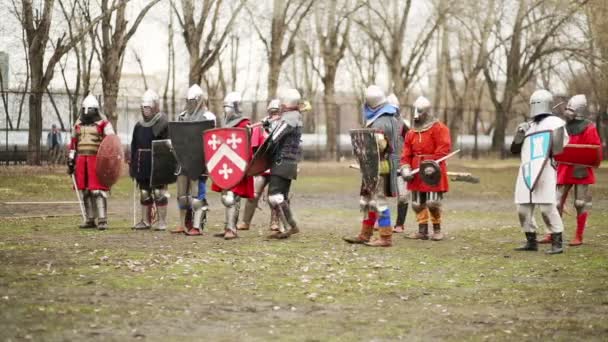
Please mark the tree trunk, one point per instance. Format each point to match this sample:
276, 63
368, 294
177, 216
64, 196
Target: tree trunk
455, 123
498, 139
331, 129
274, 71
110, 98
34, 155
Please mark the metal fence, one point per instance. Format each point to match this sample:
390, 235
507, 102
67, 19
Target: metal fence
474, 136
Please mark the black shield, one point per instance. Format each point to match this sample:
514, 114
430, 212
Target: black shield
187, 140
365, 149
262, 159
431, 178
164, 163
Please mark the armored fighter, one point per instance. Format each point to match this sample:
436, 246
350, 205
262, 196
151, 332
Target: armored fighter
87, 134
261, 181
376, 148
403, 197
575, 164
538, 141
285, 151
231, 198
153, 126
192, 192
427, 141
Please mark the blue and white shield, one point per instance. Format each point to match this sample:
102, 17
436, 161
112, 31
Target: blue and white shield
534, 155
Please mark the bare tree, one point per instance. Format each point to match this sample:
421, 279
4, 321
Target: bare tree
597, 65
287, 18
37, 25
206, 37
472, 39
332, 25
520, 48
389, 24
112, 42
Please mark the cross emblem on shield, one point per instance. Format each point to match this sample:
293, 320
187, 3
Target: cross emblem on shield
227, 152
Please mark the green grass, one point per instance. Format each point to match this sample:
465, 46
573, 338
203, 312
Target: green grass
59, 283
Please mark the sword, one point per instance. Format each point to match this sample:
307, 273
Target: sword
416, 170
80, 204
133, 195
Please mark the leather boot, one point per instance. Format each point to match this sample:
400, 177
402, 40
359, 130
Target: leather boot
364, 236
531, 244
89, 224
545, 239
384, 240
421, 234
556, 244
581, 222
401, 214
437, 234
230, 234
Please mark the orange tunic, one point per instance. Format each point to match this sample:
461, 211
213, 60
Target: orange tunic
430, 143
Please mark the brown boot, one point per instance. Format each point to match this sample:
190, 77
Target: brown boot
366, 234
179, 230
545, 239
385, 239
421, 234
230, 235
437, 234
194, 232
242, 226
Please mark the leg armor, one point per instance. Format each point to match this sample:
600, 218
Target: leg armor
184, 200
89, 207
146, 201
525, 212
433, 203
232, 202
582, 203
251, 205
101, 203
402, 204
161, 199
278, 202
419, 206
551, 218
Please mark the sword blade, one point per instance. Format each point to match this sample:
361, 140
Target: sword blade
80, 204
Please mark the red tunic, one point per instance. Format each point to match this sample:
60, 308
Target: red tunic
245, 187
85, 171
565, 173
432, 143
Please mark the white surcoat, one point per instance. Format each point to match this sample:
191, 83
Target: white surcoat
545, 189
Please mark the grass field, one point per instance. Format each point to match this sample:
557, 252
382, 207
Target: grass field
61, 283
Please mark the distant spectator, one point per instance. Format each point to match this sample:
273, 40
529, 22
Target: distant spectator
54, 142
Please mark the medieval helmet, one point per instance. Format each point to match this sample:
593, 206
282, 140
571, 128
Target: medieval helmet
422, 105
90, 109
393, 100
578, 106
273, 106
150, 99
374, 96
232, 103
290, 98
194, 92
541, 102
195, 98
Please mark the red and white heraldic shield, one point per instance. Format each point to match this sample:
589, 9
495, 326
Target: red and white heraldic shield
227, 153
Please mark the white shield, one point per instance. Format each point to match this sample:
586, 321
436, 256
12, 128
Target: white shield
535, 153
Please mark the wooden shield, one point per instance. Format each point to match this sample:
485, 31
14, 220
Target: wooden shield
227, 153
365, 148
581, 154
108, 166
